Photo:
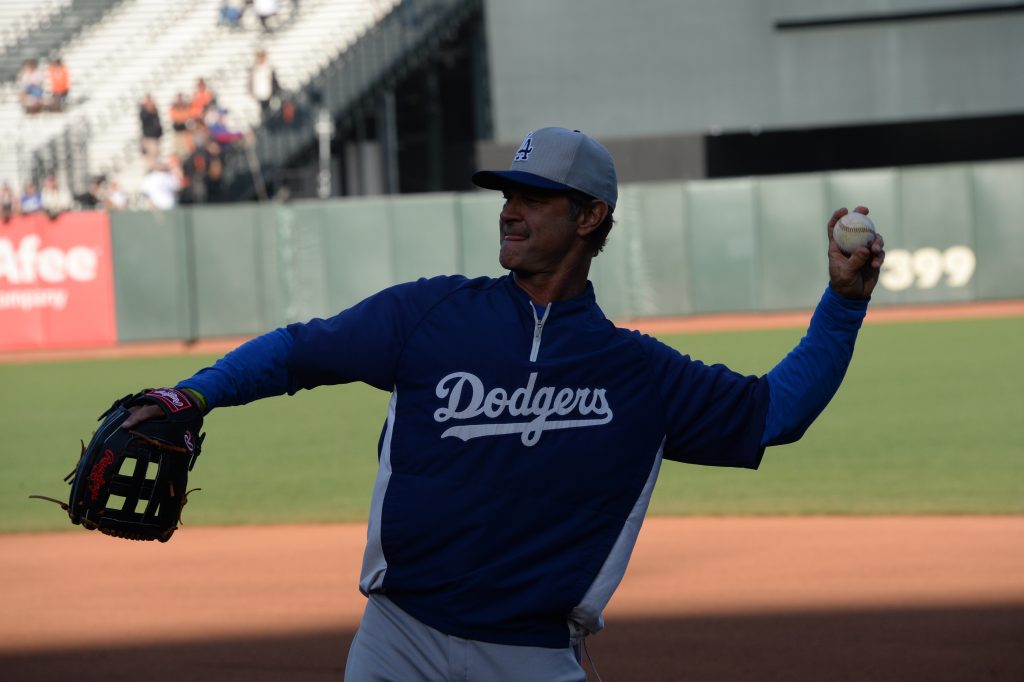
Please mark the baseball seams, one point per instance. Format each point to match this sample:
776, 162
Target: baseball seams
852, 231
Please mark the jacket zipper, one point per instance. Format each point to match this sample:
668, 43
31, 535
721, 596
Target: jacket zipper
538, 328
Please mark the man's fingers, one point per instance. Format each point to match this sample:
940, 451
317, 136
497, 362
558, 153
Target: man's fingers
836, 215
877, 252
858, 258
878, 246
139, 414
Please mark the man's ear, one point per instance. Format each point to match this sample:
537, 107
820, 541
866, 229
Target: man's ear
591, 217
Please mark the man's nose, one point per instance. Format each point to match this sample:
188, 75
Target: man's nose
510, 210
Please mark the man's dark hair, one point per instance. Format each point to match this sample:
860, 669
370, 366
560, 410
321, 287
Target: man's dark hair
599, 237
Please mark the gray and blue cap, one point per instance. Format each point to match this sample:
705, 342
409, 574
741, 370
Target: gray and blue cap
558, 159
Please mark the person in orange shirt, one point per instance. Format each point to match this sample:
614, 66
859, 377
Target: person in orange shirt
201, 99
60, 83
181, 116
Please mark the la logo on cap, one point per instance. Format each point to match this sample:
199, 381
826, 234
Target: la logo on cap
525, 149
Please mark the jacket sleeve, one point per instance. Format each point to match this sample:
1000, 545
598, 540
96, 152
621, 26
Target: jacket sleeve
361, 343
713, 415
804, 382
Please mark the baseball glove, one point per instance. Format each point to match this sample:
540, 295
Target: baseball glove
132, 483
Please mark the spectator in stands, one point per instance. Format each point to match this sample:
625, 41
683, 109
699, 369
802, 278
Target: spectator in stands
53, 198
263, 85
266, 11
30, 86
201, 98
220, 129
8, 202
203, 168
60, 84
152, 130
181, 115
92, 197
231, 12
114, 197
101, 193
31, 200
289, 111
161, 184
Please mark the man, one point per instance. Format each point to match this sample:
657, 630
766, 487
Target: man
31, 200
161, 184
202, 98
263, 85
152, 130
60, 84
525, 432
54, 199
266, 10
180, 113
30, 84
8, 202
231, 12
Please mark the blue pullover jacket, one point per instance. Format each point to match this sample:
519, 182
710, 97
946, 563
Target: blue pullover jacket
520, 450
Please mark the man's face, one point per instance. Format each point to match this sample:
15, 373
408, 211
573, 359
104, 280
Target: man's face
535, 230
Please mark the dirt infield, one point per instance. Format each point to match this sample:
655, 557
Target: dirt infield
723, 599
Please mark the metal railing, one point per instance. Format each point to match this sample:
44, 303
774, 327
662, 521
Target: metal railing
382, 56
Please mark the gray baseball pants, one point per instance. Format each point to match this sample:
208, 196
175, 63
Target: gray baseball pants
392, 646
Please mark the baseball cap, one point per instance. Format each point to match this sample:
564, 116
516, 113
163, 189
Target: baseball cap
558, 159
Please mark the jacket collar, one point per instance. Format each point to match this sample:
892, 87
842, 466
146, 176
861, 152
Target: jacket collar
585, 301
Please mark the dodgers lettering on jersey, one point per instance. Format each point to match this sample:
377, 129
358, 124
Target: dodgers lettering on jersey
548, 407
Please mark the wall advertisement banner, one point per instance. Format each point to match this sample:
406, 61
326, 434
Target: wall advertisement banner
56, 282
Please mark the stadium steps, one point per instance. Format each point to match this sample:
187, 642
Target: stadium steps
18, 18
46, 37
297, 50
100, 60
162, 48
381, 55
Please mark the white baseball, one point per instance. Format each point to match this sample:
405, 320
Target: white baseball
853, 231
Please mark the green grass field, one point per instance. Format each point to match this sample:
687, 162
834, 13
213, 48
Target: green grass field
928, 421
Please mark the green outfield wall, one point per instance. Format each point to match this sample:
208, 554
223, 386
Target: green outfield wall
953, 233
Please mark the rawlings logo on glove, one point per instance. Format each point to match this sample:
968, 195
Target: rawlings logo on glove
171, 398
98, 475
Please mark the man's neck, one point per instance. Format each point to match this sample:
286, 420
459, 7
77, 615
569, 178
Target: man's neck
543, 289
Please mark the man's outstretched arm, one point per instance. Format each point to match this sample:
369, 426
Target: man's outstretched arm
803, 383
